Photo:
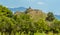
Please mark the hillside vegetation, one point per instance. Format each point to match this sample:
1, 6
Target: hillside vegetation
30, 22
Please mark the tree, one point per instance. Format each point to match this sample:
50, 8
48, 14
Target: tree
5, 11
28, 10
55, 26
22, 22
41, 25
50, 16
6, 24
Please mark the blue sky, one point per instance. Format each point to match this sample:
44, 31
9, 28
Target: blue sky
45, 5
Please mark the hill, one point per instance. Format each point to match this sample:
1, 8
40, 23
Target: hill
57, 16
18, 9
35, 14
31, 11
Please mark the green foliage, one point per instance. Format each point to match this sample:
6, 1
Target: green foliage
28, 10
56, 26
6, 24
23, 22
5, 11
50, 16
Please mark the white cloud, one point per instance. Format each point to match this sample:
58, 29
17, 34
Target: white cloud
40, 3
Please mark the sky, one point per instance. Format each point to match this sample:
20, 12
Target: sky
44, 5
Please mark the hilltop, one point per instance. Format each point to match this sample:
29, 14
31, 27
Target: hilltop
35, 14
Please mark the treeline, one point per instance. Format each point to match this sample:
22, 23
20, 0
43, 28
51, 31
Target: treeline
22, 22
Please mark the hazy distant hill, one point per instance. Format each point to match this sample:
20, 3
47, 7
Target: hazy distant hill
57, 16
18, 9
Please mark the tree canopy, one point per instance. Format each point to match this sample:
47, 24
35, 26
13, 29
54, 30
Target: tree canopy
24, 22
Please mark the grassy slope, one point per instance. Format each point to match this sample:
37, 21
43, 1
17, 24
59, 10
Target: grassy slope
36, 14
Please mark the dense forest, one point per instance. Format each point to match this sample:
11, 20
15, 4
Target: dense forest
27, 22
